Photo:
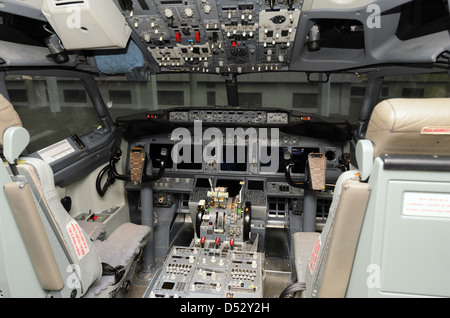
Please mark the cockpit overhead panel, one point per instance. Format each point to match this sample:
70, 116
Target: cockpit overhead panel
215, 36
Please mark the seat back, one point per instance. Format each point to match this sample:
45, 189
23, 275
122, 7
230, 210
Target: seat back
410, 127
76, 245
403, 246
23, 270
66, 262
63, 258
329, 265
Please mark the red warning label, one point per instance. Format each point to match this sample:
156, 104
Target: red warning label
77, 239
314, 255
437, 130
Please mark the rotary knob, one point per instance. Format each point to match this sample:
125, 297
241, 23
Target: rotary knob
189, 12
168, 13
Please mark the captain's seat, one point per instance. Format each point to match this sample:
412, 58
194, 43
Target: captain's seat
66, 262
390, 237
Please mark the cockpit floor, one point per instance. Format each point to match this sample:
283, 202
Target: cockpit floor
277, 262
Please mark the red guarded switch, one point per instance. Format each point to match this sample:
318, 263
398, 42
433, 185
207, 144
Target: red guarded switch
202, 241
197, 35
178, 36
217, 242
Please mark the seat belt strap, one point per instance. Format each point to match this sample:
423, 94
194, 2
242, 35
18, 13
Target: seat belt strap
118, 271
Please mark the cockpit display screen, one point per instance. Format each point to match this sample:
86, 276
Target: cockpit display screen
280, 164
236, 161
155, 155
300, 158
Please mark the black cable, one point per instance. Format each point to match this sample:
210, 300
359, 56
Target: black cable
110, 180
115, 158
290, 291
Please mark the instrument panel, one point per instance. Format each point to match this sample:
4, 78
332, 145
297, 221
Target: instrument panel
227, 168
261, 156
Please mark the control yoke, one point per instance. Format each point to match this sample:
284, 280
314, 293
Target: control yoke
138, 164
315, 171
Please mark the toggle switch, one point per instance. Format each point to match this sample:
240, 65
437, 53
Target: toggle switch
202, 241
217, 242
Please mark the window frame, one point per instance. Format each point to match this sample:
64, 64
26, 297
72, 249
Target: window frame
98, 143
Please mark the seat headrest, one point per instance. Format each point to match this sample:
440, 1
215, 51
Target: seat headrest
8, 117
411, 127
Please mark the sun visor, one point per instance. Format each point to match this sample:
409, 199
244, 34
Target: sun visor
87, 24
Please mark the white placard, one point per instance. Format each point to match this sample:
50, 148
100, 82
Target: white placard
56, 151
426, 204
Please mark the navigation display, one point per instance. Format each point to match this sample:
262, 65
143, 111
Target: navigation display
281, 151
239, 159
192, 165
